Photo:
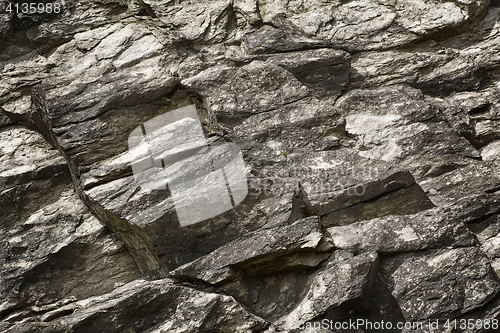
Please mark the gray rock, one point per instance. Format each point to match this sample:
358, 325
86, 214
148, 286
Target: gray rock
369, 138
433, 68
345, 280
149, 306
280, 36
195, 21
49, 234
437, 283
479, 178
394, 233
325, 70
26, 156
368, 26
267, 86
260, 246
340, 206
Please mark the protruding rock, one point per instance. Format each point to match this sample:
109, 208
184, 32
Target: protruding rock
259, 246
437, 283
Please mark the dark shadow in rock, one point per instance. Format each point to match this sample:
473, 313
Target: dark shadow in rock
396, 194
270, 295
67, 259
383, 306
441, 86
176, 246
84, 268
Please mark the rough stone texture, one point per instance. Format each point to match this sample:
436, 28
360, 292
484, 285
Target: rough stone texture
430, 277
343, 280
395, 233
259, 246
151, 306
365, 25
53, 251
370, 135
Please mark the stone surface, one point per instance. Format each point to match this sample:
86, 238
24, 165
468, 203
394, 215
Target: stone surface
364, 25
370, 140
222, 86
396, 233
53, 251
262, 245
345, 280
449, 282
149, 306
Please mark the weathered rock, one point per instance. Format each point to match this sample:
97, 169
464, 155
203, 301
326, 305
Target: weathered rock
324, 70
437, 68
26, 156
213, 22
409, 131
272, 295
440, 283
342, 281
478, 178
392, 149
253, 248
84, 87
149, 306
247, 90
49, 234
302, 126
486, 228
345, 206
365, 25
425, 230
281, 36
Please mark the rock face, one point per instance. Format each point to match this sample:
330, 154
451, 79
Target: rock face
368, 134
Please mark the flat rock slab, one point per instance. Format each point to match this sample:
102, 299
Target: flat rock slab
433, 228
233, 92
25, 155
262, 245
196, 21
399, 125
434, 283
471, 182
356, 117
325, 70
333, 201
